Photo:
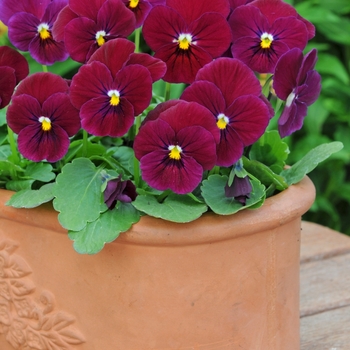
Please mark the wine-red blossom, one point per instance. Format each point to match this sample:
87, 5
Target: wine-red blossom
13, 68
240, 189
119, 190
184, 34
176, 146
260, 39
31, 30
110, 93
86, 26
297, 83
232, 93
43, 117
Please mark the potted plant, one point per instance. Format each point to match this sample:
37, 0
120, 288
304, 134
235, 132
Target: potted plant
101, 153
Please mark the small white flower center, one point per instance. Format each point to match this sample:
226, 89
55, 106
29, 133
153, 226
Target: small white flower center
115, 97
100, 37
175, 152
222, 121
184, 41
43, 30
290, 99
266, 40
45, 123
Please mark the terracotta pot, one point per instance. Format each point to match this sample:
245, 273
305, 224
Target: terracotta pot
216, 283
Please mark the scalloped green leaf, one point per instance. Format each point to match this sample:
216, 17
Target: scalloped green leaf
271, 151
213, 191
175, 207
78, 197
105, 229
296, 173
40, 171
32, 198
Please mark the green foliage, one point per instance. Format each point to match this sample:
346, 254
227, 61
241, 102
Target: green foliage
329, 118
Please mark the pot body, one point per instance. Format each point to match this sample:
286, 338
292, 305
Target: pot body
216, 283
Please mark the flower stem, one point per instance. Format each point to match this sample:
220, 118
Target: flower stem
136, 162
85, 143
137, 39
45, 68
167, 91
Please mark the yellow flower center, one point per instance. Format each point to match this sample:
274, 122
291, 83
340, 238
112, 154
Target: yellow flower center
133, 3
175, 152
184, 40
100, 37
266, 41
222, 121
43, 30
114, 97
45, 123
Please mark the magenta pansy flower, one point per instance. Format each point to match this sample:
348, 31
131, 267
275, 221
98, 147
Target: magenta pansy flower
87, 26
184, 35
230, 90
109, 92
260, 38
119, 190
297, 83
176, 145
30, 29
13, 68
43, 117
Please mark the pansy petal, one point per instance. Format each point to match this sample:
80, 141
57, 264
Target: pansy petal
206, 94
9, 7
52, 11
161, 107
87, 9
156, 67
208, 29
192, 10
286, 73
310, 94
230, 149
24, 110
92, 81
37, 145
114, 16
12, 58
107, 54
249, 117
79, 37
308, 64
232, 77
99, 118
182, 65
63, 18
292, 118
7, 85
60, 111
167, 174
42, 85
22, 30
135, 84
162, 26
48, 52
140, 11
248, 50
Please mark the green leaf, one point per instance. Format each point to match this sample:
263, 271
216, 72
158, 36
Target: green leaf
32, 198
78, 197
271, 151
7, 168
40, 171
264, 174
297, 172
329, 64
105, 229
175, 207
19, 185
213, 191
125, 157
5, 152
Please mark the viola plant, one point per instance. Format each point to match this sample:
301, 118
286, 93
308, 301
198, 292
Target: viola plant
106, 145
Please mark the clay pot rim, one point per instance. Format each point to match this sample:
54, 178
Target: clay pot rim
276, 211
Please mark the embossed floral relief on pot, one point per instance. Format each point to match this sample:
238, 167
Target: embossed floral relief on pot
29, 319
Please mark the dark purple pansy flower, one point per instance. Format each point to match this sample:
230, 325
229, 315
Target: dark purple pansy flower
43, 117
296, 82
259, 39
110, 93
230, 90
176, 145
184, 35
240, 189
13, 68
30, 32
141, 8
236, 3
119, 190
86, 26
